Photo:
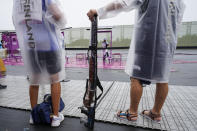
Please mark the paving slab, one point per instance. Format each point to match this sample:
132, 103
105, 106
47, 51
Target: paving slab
179, 111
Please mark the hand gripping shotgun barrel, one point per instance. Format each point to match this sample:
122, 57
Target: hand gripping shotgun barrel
90, 97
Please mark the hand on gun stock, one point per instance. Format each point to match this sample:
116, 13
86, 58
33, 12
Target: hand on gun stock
91, 14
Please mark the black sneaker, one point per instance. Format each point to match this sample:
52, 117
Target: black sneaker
3, 86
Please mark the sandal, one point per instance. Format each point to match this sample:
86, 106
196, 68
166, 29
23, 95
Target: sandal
151, 116
127, 115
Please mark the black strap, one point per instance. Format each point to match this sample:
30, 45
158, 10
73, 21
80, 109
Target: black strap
86, 89
98, 83
92, 48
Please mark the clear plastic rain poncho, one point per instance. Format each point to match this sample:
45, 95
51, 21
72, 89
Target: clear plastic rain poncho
38, 24
155, 36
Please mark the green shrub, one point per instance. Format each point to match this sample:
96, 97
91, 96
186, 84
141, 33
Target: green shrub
81, 43
188, 40
84, 43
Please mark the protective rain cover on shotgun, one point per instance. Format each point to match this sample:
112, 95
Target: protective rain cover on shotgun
90, 97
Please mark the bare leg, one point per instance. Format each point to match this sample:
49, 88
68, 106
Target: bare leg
55, 94
33, 93
160, 97
135, 95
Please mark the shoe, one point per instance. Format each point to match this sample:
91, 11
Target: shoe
31, 120
151, 116
56, 120
3, 86
126, 115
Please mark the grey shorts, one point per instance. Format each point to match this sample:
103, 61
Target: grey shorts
50, 60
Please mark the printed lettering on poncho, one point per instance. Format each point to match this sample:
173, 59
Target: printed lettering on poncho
28, 20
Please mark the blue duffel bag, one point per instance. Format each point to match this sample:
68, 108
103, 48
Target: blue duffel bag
41, 112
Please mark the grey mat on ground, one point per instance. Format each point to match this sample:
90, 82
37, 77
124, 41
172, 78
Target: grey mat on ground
179, 111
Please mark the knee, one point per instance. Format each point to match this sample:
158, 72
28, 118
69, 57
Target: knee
54, 78
135, 82
55, 85
162, 85
34, 86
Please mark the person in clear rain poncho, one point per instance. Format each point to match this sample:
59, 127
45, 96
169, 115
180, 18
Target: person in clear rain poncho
151, 50
38, 24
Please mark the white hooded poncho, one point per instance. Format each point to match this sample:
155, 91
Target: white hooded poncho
39, 33
155, 36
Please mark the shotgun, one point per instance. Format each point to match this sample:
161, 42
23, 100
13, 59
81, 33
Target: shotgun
90, 97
